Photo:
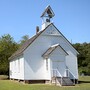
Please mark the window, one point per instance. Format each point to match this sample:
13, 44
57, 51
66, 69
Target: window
15, 63
14, 66
18, 65
46, 64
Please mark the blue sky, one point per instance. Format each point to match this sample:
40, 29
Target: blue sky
20, 17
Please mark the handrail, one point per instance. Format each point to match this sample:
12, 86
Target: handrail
71, 73
56, 71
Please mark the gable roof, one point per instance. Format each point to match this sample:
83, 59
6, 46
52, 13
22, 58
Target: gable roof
26, 44
51, 49
31, 40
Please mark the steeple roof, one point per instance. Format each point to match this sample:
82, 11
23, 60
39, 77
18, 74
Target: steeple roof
48, 12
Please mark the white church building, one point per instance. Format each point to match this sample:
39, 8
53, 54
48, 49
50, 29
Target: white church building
47, 57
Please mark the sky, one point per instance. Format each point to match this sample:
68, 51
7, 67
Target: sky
20, 17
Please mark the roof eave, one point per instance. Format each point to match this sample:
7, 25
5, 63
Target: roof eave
12, 57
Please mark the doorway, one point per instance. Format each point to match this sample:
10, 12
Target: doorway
59, 68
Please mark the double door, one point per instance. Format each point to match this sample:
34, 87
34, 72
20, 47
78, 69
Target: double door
59, 68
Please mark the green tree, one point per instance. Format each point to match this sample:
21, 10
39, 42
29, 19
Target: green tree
7, 47
83, 57
24, 39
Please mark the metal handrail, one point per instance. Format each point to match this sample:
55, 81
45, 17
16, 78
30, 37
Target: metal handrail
56, 71
72, 74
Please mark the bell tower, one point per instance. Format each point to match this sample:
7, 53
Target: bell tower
47, 16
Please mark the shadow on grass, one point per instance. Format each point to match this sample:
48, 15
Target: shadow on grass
80, 82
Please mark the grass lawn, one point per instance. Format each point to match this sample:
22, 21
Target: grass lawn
84, 84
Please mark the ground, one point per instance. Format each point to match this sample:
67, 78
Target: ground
84, 84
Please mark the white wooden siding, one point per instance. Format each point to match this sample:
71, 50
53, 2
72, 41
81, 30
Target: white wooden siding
17, 68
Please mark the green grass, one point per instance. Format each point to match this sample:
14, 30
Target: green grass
14, 85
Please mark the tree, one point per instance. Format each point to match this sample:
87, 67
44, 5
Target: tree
83, 57
24, 39
7, 47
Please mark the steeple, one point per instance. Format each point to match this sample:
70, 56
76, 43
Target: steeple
46, 16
